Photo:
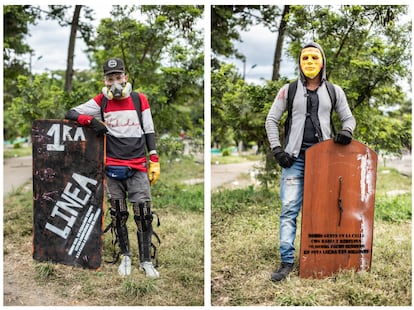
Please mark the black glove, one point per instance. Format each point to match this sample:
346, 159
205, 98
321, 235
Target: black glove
99, 127
283, 158
343, 137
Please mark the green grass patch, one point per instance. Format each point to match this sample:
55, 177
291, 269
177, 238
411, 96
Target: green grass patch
175, 189
184, 197
45, 271
389, 179
17, 152
393, 208
233, 159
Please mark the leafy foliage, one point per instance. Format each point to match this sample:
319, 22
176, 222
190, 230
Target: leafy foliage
368, 54
228, 20
162, 51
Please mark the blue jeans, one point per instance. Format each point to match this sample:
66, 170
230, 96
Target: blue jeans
291, 195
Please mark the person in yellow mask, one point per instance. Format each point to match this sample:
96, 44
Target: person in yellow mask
125, 117
308, 122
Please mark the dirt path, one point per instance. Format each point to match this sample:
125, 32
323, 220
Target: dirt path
403, 164
232, 174
18, 266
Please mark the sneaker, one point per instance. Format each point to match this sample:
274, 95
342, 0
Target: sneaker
125, 266
282, 272
150, 270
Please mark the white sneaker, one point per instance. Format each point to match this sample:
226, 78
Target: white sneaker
125, 266
150, 270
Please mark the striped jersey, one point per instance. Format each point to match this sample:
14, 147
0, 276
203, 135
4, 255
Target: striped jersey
126, 139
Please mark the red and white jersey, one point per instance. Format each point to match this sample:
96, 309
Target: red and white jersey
126, 138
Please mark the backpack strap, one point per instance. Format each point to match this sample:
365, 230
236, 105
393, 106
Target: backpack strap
103, 106
137, 104
290, 96
332, 95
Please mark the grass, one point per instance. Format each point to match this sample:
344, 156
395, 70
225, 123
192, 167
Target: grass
233, 159
244, 252
388, 206
181, 253
244, 246
17, 152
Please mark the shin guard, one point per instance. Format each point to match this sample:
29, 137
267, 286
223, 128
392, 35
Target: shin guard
119, 215
143, 218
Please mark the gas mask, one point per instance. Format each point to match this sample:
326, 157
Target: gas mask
117, 90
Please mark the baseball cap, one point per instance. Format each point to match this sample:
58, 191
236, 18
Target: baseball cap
113, 65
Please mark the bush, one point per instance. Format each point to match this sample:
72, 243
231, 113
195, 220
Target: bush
393, 209
171, 147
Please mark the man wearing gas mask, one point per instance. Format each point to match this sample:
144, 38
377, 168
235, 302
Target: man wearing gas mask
130, 135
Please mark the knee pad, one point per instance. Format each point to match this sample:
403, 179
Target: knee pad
119, 214
119, 211
143, 216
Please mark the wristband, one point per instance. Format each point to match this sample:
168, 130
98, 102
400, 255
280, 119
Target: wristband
84, 119
154, 158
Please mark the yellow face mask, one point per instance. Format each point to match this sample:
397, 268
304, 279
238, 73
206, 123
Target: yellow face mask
311, 62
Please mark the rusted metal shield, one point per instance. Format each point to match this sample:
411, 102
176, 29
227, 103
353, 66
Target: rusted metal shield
338, 208
68, 193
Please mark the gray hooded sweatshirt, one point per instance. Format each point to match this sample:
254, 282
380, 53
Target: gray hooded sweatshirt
299, 110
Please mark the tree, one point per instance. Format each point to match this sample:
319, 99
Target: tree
71, 48
163, 54
279, 43
77, 24
368, 52
228, 20
16, 20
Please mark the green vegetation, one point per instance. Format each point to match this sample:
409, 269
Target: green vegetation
371, 68
245, 230
162, 50
222, 160
17, 152
181, 253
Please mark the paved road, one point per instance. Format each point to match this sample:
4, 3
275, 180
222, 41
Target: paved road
223, 174
16, 172
403, 164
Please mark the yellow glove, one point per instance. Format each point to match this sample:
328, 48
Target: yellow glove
154, 169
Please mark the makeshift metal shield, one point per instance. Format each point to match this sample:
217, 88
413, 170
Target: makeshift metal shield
68, 163
338, 208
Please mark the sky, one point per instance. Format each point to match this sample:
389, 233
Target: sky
50, 43
258, 45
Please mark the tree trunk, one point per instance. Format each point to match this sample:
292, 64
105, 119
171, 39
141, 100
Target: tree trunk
71, 49
279, 44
